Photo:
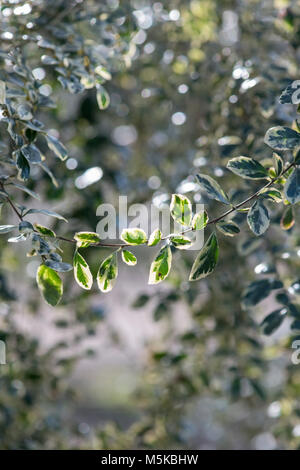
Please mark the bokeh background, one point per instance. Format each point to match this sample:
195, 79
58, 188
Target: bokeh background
179, 365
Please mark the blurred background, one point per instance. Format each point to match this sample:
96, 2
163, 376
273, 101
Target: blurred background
180, 365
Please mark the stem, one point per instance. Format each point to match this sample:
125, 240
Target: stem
190, 229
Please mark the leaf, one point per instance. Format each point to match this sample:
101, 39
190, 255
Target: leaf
181, 209
212, 188
271, 194
228, 228
129, 258
57, 147
24, 112
103, 98
282, 138
133, 236
273, 321
82, 273
154, 238
31, 153
259, 290
44, 230
278, 163
161, 265
247, 168
292, 186
287, 220
50, 285
108, 272
180, 242
7, 228
46, 212
26, 190
23, 166
258, 218
291, 94
84, 239
200, 220
206, 260
58, 266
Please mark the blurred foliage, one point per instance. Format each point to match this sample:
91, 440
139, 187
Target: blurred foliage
223, 65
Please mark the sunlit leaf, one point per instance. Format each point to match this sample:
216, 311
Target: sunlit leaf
82, 273
50, 285
200, 220
287, 220
129, 258
85, 239
211, 188
108, 272
161, 265
133, 236
181, 209
154, 238
206, 260
247, 168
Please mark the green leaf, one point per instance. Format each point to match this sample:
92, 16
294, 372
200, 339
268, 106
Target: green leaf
82, 273
228, 228
292, 186
7, 228
133, 236
259, 290
258, 218
271, 194
129, 258
180, 242
103, 98
212, 188
161, 265
50, 285
206, 260
84, 239
31, 153
282, 138
58, 266
247, 168
46, 212
278, 163
22, 165
57, 147
154, 238
26, 190
108, 273
291, 94
287, 220
273, 321
44, 230
181, 209
200, 220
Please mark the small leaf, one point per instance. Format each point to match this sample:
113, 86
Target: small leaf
200, 220
258, 218
58, 266
181, 209
273, 321
180, 242
22, 165
26, 190
31, 153
108, 272
278, 164
7, 228
292, 186
271, 194
82, 273
154, 238
291, 95
46, 212
212, 188
161, 265
50, 285
228, 228
103, 98
44, 230
57, 147
206, 260
129, 258
133, 236
282, 138
287, 220
84, 239
247, 168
